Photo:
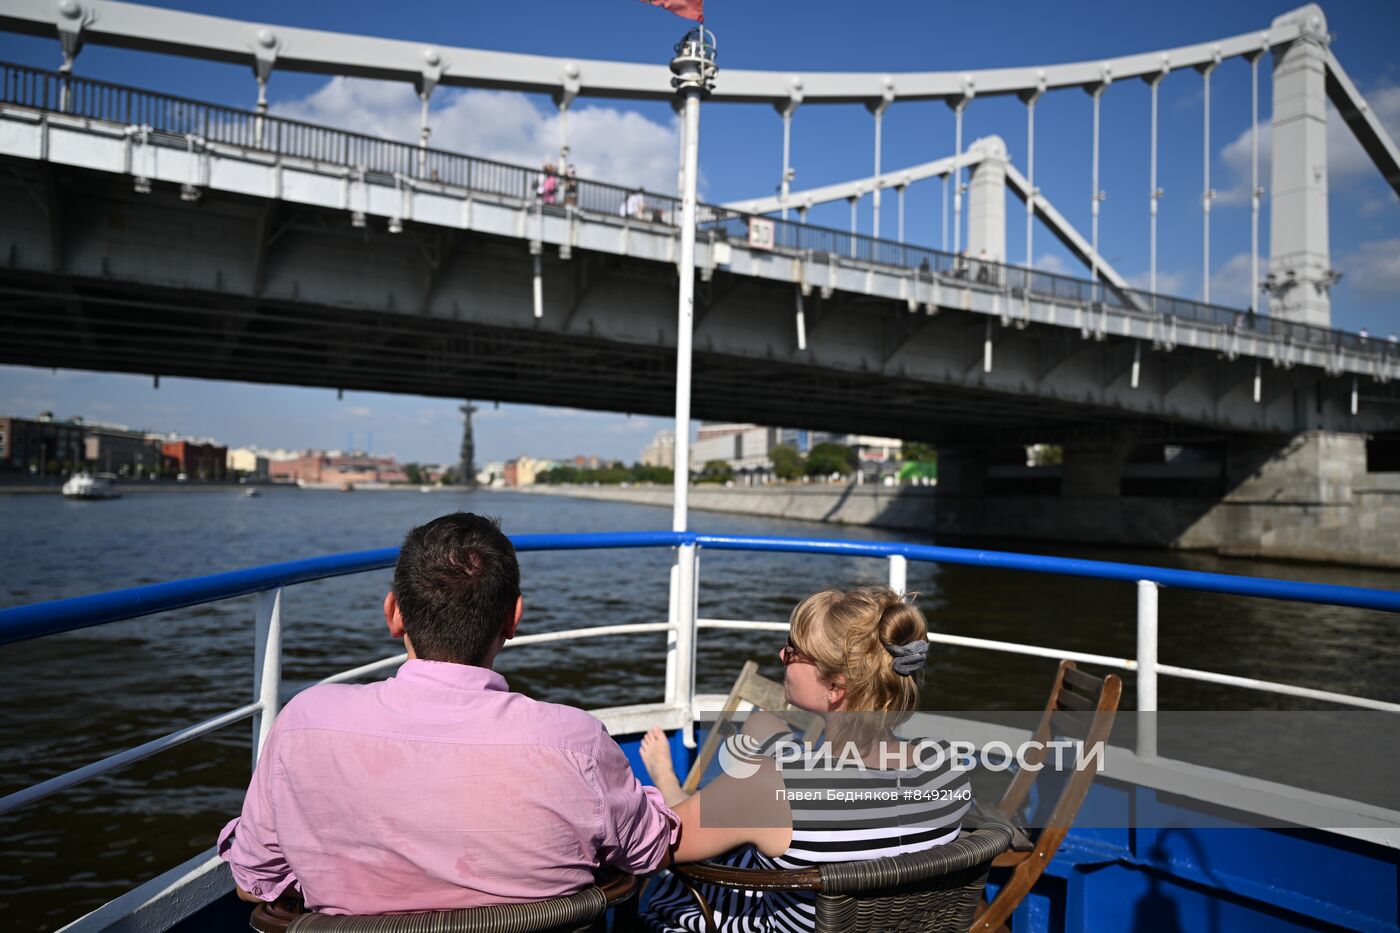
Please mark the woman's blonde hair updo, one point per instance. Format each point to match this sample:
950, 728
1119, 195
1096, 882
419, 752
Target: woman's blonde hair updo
845, 632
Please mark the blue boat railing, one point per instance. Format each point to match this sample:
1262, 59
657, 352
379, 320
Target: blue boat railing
267, 582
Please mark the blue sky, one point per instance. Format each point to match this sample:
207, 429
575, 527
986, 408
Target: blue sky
741, 157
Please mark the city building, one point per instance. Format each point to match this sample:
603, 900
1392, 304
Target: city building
744, 447
249, 463
492, 474
661, 452
41, 446
867, 446
747, 449
195, 458
522, 471
336, 468
111, 448
873, 449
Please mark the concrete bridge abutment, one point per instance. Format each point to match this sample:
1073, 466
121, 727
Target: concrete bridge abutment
1094, 469
1304, 497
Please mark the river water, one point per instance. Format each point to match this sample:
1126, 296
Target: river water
74, 698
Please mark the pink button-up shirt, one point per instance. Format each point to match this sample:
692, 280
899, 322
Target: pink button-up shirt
438, 789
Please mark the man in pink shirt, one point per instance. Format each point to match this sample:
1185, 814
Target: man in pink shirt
439, 788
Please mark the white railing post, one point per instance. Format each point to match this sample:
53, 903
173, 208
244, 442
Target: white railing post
267, 665
680, 687
899, 573
673, 615
1147, 668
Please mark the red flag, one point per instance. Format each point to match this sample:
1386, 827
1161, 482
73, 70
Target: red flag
690, 9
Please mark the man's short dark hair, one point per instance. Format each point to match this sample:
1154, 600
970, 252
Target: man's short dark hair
456, 581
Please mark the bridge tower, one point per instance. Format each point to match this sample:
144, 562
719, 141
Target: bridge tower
1300, 268
986, 201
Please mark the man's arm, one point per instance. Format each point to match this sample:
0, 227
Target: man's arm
249, 842
638, 828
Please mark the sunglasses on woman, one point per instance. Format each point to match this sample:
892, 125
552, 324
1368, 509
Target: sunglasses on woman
791, 654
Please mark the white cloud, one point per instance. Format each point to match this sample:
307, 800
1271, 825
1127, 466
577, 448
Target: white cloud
1053, 264
1346, 160
638, 425
1373, 270
1229, 283
606, 143
1168, 283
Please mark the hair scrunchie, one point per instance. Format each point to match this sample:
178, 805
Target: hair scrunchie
909, 659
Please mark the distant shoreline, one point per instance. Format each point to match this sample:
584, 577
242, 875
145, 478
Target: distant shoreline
139, 487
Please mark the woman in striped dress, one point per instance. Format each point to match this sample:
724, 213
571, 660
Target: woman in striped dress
853, 657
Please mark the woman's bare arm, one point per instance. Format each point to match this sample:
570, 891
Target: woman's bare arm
731, 812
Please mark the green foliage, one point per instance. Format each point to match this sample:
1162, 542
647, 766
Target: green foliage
911, 470
716, 471
613, 474
787, 462
918, 450
657, 475
826, 459
414, 475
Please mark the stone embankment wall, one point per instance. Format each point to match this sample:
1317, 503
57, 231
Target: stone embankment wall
910, 508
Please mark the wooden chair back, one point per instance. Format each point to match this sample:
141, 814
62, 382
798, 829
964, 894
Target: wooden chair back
764, 694
1081, 706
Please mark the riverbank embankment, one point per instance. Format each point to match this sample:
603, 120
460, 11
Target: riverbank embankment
908, 508
1361, 529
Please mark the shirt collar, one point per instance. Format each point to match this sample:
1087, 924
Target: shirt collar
449, 675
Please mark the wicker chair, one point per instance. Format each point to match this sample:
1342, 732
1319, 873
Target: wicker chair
934, 891
584, 912
1081, 706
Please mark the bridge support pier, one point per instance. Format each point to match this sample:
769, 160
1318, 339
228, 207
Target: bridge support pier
1312, 468
1094, 469
1303, 497
962, 471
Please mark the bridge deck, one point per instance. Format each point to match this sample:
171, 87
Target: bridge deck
314, 256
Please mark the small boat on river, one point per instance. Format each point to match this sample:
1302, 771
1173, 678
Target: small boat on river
89, 486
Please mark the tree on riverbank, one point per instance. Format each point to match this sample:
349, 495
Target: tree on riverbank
826, 459
918, 451
716, 471
918, 462
614, 474
787, 462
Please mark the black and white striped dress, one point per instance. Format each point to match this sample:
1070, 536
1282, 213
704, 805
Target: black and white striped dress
884, 812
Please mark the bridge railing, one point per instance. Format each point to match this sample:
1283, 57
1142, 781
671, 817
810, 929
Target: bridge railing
822, 242
184, 118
